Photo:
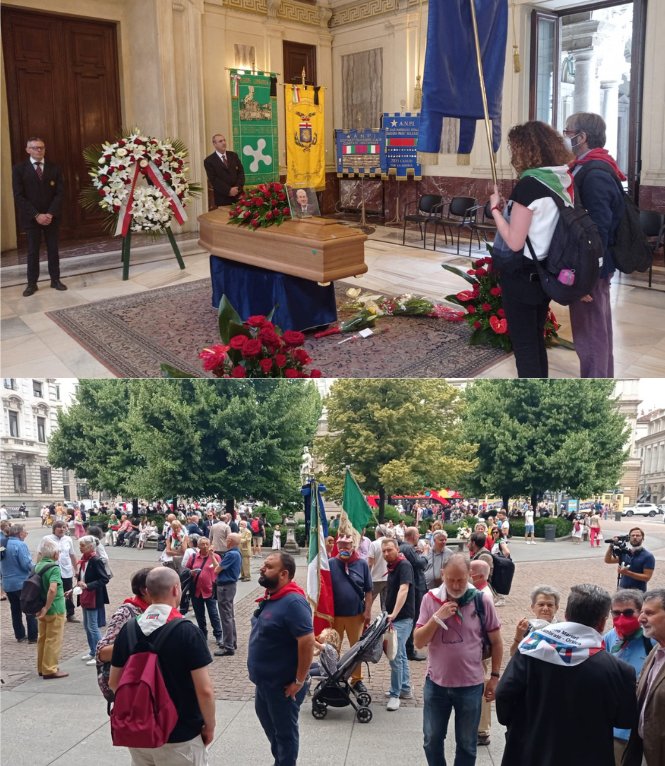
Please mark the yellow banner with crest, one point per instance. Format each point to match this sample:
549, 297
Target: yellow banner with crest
305, 144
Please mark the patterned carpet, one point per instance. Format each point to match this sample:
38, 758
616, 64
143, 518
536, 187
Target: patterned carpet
134, 334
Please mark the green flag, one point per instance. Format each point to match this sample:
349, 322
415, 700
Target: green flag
354, 503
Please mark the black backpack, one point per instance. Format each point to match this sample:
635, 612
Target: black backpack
630, 248
572, 266
503, 572
33, 597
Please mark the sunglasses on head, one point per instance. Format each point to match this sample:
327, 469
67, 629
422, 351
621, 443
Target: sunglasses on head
624, 612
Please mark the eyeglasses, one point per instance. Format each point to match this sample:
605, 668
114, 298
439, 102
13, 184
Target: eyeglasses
624, 612
570, 133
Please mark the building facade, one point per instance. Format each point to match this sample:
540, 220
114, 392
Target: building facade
30, 409
651, 449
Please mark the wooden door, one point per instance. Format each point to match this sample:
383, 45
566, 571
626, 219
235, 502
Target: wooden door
63, 86
296, 57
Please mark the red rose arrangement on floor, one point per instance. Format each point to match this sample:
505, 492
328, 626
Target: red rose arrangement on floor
261, 206
484, 307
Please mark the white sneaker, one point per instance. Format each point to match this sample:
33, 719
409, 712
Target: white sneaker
533, 542
93, 661
393, 704
87, 657
500, 602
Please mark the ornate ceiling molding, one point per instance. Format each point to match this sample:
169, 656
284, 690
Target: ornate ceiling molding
353, 12
287, 10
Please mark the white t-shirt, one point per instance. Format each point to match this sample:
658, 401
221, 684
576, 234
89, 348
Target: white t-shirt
528, 517
379, 570
66, 547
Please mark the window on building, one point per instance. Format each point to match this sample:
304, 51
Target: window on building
83, 491
65, 492
45, 476
20, 484
590, 59
57, 392
13, 424
41, 430
38, 388
10, 383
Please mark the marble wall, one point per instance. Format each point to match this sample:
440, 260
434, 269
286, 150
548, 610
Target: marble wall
362, 90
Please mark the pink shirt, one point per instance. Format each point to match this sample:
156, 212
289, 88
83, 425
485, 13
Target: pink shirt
455, 655
205, 581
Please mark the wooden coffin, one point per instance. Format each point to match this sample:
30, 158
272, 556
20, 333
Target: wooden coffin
318, 249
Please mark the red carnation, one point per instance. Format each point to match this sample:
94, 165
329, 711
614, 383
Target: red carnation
255, 222
256, 320
315, 374
213, 356
280, 360
238, 342
269, 215
481, 273
301, 356
277, 186
257, 201
104, 179
501, 312
269, 337
471, 309
477, 325
238, 372
485, 307
495, 291
293, 338
289, 372
281, 196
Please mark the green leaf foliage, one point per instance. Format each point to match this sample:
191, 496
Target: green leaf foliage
189, 437
397, 436
539, 435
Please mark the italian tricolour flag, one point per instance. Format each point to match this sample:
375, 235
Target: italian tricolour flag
319, 584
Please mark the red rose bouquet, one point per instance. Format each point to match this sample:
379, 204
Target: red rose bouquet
262, 205
483, 305
255, 348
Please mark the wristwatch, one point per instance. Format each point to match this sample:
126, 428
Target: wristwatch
495, 675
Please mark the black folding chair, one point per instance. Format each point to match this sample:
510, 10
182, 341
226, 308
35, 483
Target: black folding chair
461, 212
428, 210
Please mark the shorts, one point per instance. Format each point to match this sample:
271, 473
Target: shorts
528, 529
257, 539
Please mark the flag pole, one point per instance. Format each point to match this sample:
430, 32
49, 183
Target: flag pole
481, 78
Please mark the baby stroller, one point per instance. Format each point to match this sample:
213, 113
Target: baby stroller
333, 688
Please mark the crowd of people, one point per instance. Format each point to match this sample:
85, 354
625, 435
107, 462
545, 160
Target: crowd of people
441, 608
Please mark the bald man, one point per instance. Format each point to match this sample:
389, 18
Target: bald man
184, 658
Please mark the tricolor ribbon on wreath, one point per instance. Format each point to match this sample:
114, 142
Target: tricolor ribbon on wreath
149, 169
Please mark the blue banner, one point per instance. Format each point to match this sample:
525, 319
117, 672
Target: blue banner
360, 153
451, 87
306, 492
401, 131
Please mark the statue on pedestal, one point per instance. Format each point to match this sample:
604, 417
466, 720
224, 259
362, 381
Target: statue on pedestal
306, 466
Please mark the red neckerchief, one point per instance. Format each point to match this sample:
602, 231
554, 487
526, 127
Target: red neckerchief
138, 602
353, 557
393, 565
83, 563
174, 615
603, 155
290, 587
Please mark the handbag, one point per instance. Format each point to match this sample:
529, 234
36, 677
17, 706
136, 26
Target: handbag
390, 643
88, 598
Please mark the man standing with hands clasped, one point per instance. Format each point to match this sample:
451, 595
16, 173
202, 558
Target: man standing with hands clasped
457, 622
225, 172
38, 191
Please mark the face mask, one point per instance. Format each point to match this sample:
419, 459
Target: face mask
345, 554
625, 626
568, 142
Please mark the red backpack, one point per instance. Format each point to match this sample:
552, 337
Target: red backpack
255, 526
143, 713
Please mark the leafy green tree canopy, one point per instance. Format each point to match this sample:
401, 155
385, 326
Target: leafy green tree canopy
538, 435
396, 435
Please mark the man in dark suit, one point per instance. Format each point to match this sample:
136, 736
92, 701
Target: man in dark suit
225, 172
38, 190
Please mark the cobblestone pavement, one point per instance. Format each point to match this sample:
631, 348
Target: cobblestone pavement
561, 564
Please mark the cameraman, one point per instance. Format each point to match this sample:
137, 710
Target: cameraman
636, 564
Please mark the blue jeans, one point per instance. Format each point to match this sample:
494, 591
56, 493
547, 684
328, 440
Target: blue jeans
279, 717
92, 631
400, 678
200, 605
439, 703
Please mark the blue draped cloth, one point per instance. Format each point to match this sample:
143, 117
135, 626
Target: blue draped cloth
300, 304
451, 87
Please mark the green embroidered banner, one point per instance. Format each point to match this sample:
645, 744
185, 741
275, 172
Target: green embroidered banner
254, 112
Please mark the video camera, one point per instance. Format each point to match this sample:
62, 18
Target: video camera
619, 545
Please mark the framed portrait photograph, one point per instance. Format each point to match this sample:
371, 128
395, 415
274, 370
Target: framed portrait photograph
302, 202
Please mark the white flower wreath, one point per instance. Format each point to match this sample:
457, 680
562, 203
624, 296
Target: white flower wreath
152, 171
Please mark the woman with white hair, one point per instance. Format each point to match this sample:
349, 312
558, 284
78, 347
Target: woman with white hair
544, 605
92, 579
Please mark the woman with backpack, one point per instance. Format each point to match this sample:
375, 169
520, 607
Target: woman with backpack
92, 579
541, 159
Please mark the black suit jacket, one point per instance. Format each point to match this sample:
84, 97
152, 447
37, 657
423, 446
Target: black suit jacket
222, 177
33, 196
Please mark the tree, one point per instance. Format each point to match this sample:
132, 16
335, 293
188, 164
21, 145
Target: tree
397, 436
190, 437
538, 435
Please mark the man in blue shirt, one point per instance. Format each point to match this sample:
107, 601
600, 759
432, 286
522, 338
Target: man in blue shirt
281, 647
627, 642
228, 572
352, 596
636, 564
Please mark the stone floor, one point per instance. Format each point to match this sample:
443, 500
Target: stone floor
32, 345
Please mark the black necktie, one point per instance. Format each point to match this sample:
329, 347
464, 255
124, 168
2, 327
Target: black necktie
224, 158
38, 170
